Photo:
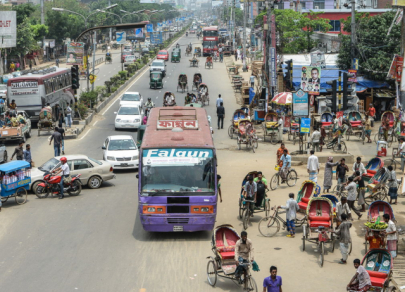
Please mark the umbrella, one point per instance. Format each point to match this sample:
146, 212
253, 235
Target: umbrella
283, 98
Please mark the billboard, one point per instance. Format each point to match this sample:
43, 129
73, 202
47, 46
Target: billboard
398, 2
318, 59
139, 33
156, 38
300, 103
395, 71
121, 37
74, 52
311, 80
149, 27
8, 29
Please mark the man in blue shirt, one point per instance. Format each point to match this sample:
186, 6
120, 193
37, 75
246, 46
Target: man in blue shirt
286, 159
219, 100
272, 283
27, 154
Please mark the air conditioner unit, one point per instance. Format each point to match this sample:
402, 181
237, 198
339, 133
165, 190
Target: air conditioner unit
275, 6
316, 7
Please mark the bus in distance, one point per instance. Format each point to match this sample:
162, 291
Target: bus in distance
210, 40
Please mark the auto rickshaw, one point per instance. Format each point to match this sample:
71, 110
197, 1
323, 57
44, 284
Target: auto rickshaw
156, 79
175, 56
108, 58
197, 51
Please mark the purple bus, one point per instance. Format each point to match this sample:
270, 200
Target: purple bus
177, 181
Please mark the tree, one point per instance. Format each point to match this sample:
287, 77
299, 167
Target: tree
25, 39
374, 48
24, 11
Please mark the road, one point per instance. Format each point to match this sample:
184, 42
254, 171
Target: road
95, 242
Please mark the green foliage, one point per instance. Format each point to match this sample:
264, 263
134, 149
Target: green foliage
123, 74
238, 15
39, 31
114, 89
82, 108
374, 48
24, 11
89, 98
25, 39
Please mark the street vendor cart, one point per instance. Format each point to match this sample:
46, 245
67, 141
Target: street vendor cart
15, 179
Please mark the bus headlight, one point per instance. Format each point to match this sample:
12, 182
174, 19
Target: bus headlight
202, 209
151, 209
154, 210
205, 209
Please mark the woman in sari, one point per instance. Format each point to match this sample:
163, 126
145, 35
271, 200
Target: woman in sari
327, 181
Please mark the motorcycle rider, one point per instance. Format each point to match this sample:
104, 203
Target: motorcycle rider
65, 172
149, 103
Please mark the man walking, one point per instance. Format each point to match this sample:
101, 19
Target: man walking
273, 282
280, 129
62, 132
27, 154
252, 80
19, 152
221, 115
341, 170
351, 188
68, 116
342, 208
292, 208
344, 234
57, 141
313, 167
316, 137
219, 100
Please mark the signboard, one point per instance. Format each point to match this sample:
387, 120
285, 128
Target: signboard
139, 33
147, 1
156, 38
8, 29
75, 52
121, 37
398, 2
49, 43
311, 80
168, 125
353, 72
305, 125
318, 59
300, 103
149, 27
395, 71
355, 64
273, 67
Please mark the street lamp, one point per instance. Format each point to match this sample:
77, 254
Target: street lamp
132, 13
84, 17
103, 11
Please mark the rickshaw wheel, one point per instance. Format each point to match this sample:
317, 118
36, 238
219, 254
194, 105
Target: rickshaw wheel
251, 284
240, 208
391, 289
322, 252
4, 199
239, 144
268, 226
246, 218
333, 245
292, 178
273, 139
212, 273
303, 238
20, 196
267, 207
256, 143
230, 131
252, 146
274, 182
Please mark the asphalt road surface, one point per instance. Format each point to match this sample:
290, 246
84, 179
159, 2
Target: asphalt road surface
95, 242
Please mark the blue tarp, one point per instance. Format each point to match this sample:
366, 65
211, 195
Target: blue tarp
14, 165
251, 94
332, 73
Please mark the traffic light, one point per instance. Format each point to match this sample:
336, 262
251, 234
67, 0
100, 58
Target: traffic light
333, 97
75, 77
346, 91
289, 74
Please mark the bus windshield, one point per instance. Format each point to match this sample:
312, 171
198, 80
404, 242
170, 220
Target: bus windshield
210, 33
181, 171
209, 44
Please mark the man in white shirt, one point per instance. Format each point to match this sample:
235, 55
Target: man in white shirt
219, 100
313, 167
402, 152
280, 129
342, 208
64, 171
391, 233
359, 166
351, 188
316, 137
292, 208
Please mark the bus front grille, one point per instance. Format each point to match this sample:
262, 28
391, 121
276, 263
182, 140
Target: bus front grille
178, 209
177, 220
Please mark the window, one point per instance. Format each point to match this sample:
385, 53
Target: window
335, 25
319, 4
81, 164
302, 5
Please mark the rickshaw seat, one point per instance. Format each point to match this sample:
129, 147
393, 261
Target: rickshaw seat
325, 124
377, 281
227, 255
305, 200
271, 124
391, 124
355, 123
320, 223
370, 173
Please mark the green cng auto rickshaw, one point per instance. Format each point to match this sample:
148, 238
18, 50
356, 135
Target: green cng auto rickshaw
156, 79
175, 56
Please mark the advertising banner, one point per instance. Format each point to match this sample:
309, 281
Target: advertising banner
398, 2
305, 125
8, 29
156, 38
311, 80
273, 67
121, 37
300, 103
318, 59
395, 71
75, 53
355, 64
354, 75
139, 32
149, 27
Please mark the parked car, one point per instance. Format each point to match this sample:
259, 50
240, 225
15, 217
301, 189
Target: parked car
128, 117
158, 65
131, 98
93, 172
121, 152
163, 55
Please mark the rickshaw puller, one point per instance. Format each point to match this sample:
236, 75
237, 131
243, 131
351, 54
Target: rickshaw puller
243, 254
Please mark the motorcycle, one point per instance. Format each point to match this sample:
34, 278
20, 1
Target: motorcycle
51, 185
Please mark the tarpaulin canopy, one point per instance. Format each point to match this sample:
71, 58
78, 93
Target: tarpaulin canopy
282, 98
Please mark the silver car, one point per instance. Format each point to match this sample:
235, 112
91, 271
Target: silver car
93, 172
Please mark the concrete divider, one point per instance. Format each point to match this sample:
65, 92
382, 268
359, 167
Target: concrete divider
323, 157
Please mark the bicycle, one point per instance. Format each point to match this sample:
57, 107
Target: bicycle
339, 189
269, 226
291, 180
393, 161
265, 205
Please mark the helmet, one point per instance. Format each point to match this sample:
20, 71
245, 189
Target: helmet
63, 159
149, 98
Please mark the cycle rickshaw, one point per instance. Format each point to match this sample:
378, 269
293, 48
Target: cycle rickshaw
319, 227
45, 121
182, 83
223, 263
237, 115
306, 192
390, 117
270, 127
355, 126
15, 181
203, 94
294, 132
247, 135
175, 55
169, 99
197, 51
108, 58
197, 79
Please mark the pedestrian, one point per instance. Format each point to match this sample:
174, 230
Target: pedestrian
219, 187
342, 208
286, 165
19, 152
313, 167
374, 239
292, 208
391, 233
63, 134
252, 80
351, 188
280, 152
57, 62
361, 190
341, 171
60, 120
367, 130
12, 67
327, 181
280, 129
361, 281
344, 237
316, 138
27, 154
17, 66
371, 111
68, 116
57, 141
261, 183
385, 125
30, 64
359, 166
57, 112
219, 100
273, 283
392, 185
221, 115
402, 152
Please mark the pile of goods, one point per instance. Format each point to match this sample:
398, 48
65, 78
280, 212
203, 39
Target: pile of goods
377, 225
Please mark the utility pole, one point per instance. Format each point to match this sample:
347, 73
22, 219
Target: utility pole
109, 4
353, 32
43, 22
94, 56
245, 7
233, 25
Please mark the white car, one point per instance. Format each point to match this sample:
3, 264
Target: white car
3, 90
121, 152
128, 117
131, 98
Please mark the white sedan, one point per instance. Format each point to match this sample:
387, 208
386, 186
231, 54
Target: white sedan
128, 117
131, 98
121, 152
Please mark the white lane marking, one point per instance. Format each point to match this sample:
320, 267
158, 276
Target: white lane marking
88, 131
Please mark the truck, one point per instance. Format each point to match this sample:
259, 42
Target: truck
20, 133
129, 60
